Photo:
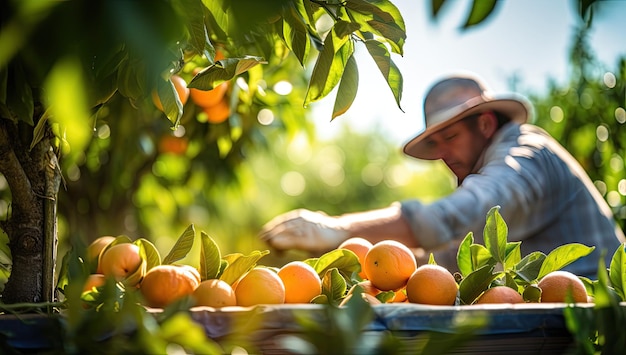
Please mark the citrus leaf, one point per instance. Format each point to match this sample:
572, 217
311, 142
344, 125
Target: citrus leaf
480, 256
464, 255
475, 283
378, 51
431, 259
436, 7
223, 70
329, 66
210, 257
194, 12
341, 259
602, 293
239, 264
531, 293
295, 34
513, 254
333, 285
495, 234
170, 101
182, 246
481, 9
562, 256
617, 271
149, 252
347, 88
218, 12
528, 268
381, 18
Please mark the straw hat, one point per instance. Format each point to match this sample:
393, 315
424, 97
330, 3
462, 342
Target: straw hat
457, 97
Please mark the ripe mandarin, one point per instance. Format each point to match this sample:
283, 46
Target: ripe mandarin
432, 284
302, 283
360, 247
164, 284
260, 286
499, 294
556, 285
214, 293
389, 264
120, 260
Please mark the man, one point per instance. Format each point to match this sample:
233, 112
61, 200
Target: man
545, 197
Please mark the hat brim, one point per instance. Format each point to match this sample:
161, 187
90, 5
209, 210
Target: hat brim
516, 108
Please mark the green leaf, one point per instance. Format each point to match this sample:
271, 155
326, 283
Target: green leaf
475, 283
602, 292
617, 271
464, 255
495, 234
513, 254
239, 264
531, 293
182, 246
528, 268
217, 11
378, 51
347, 88
341, 259
172, 106
480, 256
431, 259
380, 18
223, 70
333, 285
436, 6
194, 12
149, 252
295, 34
329, 67
210, 257
481, 9
562, 256
181, 329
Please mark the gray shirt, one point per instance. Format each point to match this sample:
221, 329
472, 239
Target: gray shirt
546, 200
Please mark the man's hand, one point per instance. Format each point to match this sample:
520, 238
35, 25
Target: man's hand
303, 230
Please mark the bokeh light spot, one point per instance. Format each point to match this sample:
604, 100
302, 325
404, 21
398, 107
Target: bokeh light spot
556, 114
292, 183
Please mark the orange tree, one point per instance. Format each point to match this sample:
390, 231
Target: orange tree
76, 86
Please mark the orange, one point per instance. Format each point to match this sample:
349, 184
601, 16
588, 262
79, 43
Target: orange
120, 260
218, 113
214, 293
95, 247
302, 283
260, 286
368, 288
556, 285
389, 264
500, 294
432, 284
208, 98
164, 284
172, 144
93, 281
181, 88
400, 296
360, 247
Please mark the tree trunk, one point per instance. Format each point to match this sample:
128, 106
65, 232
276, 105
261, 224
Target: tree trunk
32, 175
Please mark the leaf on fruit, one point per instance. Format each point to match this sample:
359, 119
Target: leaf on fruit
333, 285
562, 256
148, 252
182, 246
531, 293
342, 259
528, 268
475, 283
210, 257
239, 264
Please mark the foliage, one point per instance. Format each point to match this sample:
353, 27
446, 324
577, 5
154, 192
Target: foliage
597, 329
587, 115
499, 262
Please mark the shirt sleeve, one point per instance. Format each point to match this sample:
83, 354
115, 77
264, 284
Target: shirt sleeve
512, 179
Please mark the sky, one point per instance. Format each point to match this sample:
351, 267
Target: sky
528, 38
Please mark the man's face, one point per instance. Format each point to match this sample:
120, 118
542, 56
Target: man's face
459, 146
